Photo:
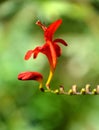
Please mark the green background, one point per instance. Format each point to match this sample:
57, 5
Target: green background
22, 105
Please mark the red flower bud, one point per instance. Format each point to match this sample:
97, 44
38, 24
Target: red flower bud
30, 76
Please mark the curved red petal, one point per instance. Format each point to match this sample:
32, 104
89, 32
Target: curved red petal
30, 76
51, 29
28, 54
57, 49
36, 51
49, 50
61, 41
53, 56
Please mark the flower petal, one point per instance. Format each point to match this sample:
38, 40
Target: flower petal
51, 29
61, 41
57, 49
36, 51
30, 76
49, 50
28, 54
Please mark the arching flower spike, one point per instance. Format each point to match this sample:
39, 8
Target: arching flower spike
32, 76
51, 49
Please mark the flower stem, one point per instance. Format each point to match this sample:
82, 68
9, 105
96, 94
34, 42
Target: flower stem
73, 91
41, 87
49, 79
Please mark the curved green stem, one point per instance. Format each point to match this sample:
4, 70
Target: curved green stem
41, 86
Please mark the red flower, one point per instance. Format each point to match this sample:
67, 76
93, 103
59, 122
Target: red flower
31, 76
51, 49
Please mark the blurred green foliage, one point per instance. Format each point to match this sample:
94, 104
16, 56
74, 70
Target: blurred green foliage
22, 105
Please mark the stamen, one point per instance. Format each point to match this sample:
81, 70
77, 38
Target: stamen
41, 25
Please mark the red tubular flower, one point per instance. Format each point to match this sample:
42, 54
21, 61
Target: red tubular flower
51, 49
31, 76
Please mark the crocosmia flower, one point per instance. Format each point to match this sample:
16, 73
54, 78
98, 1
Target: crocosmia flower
50, 48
